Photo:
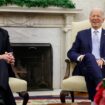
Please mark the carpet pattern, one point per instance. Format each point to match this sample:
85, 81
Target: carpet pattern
44, 100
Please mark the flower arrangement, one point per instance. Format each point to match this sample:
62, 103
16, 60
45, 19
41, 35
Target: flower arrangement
39, 3
99, 98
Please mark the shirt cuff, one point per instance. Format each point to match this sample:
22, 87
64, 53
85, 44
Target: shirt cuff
80, 58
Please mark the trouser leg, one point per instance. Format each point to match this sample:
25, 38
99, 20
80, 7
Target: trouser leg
92, 73
3, 74
8, 97
4, 85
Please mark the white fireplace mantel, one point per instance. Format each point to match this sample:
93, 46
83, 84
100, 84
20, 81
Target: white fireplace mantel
37, 17
50, 10
41, 25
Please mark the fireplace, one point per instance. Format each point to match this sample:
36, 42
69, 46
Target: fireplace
37, 25
34, 64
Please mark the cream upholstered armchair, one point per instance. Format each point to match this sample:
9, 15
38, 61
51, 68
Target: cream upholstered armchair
19, 86
71, 84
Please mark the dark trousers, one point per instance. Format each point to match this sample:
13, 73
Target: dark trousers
5, 91
92, 72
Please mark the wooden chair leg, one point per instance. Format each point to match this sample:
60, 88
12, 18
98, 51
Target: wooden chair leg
63, 94
72, 96
25, 97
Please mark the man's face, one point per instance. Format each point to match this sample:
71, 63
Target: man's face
96, 19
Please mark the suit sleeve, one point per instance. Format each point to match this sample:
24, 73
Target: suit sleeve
7, 42
73, 53
7, 47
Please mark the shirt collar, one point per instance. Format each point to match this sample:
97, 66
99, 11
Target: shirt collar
99, 30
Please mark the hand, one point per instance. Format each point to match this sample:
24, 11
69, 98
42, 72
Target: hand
8, 57
12, 59
100, 62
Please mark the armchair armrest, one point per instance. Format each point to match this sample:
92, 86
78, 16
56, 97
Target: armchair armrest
67, 73
69, 68
14, 70
18, 70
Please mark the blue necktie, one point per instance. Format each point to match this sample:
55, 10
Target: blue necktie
96, 45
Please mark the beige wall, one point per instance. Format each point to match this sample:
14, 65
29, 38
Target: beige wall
86, 6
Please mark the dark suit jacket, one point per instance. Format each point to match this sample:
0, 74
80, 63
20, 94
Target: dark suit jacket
83, 45
5, 46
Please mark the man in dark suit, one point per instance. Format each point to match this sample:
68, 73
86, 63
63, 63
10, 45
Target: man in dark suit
6, 60
88, 51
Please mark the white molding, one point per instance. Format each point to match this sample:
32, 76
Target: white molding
38, 10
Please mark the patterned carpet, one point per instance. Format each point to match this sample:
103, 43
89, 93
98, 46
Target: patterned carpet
44, 100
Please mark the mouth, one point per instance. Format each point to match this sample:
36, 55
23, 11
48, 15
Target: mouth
96, 22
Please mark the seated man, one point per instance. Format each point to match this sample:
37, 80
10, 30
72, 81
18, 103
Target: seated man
6, 60
88, 51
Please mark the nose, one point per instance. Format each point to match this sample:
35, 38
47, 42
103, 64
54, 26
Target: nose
95, 17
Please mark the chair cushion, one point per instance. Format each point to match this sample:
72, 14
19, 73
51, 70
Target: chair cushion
17, 85
74, 83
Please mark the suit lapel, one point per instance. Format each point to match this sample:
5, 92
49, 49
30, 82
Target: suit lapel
89, 40
102, 41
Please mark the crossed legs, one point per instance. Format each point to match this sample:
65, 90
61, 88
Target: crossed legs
92, 73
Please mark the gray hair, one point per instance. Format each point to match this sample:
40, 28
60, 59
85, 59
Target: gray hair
98, 9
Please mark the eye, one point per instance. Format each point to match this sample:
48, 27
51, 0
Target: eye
98, 16
93, 16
